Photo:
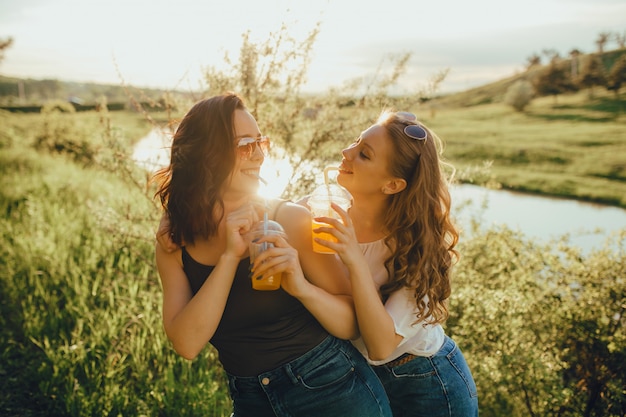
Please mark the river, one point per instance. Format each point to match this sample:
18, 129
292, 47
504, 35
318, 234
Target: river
587, 225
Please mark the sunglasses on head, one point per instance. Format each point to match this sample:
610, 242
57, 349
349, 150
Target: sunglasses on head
247, 146
414, 131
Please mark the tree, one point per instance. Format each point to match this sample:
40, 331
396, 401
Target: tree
4, 44
617, 75
601, 41
533, 61
592, 74
574, 54
519, 95
551, 54
553, 80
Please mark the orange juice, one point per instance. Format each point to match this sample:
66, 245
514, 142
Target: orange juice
268, 283
264, 228
319, 203
322, 235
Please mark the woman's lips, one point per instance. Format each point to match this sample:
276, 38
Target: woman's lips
344, 170
252, 172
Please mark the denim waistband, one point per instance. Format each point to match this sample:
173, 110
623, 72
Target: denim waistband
332, 379
308, 361
448, 346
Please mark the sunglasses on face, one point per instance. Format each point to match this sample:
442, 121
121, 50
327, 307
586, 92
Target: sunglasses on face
414, 131
247, 146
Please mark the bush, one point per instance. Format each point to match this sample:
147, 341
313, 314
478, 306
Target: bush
62, 133
542, 326
519, 95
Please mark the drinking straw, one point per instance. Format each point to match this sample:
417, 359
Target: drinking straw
327, 184
267, 207
326, 170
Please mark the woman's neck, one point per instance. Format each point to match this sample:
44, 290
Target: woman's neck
233, 201
368, 219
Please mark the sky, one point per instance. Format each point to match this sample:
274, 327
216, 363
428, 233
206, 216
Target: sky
167, 44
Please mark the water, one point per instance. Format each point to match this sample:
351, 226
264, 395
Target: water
152, 151
587, 225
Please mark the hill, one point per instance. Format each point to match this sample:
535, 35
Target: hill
494, 92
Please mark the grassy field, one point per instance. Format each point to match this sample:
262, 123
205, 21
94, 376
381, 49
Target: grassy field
80, 298
81, 331
574, 148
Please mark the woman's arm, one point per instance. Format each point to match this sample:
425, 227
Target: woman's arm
376, 326
318, 281
190, 321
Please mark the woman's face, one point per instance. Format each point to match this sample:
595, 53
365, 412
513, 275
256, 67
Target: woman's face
245, 175
364, 167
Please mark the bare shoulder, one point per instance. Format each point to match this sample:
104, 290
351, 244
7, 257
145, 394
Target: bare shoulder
296, 220
291, 214
166, 257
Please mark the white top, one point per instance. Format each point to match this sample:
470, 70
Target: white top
418, 339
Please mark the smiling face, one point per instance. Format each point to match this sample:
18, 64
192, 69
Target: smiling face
364, 169
245, 175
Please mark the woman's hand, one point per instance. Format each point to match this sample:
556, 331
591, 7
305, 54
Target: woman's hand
238, 223
347, 245
283, 259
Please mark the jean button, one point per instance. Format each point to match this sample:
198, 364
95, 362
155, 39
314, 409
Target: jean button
265, 381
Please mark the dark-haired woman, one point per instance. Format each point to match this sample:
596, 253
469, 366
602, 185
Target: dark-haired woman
285, 352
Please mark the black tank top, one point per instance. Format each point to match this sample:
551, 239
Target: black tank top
259, 330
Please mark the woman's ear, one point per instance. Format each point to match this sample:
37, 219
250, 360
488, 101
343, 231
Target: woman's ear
394, 186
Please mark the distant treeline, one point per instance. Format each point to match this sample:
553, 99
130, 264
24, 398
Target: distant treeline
77, 107
29, 95
148, 106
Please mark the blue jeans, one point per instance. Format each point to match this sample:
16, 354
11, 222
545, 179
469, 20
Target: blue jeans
332, 379
437, 386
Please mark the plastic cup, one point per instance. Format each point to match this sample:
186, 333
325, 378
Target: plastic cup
319, 205
262, 228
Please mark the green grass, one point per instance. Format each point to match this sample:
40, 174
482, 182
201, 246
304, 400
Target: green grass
82, 332
80, 297
575, 149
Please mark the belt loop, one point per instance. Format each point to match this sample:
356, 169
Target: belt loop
293, 377
233, 383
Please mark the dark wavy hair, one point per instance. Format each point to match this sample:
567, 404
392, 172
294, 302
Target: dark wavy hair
422, 236
202, 158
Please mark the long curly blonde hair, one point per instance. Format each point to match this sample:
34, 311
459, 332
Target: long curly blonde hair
421, 235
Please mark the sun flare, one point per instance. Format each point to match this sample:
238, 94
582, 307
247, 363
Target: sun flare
276, 171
